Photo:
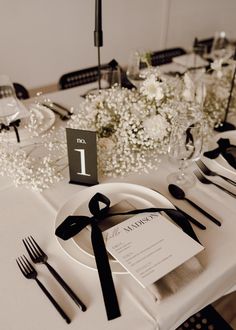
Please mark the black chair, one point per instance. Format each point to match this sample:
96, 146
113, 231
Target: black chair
89, 75
206, 319
208, 43
21, 91
165, 56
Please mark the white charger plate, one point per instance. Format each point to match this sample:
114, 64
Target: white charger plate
220, 161
80, 248
44, 119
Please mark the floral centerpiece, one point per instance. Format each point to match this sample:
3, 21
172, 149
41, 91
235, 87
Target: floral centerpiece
133, 126
217, 90
36, 163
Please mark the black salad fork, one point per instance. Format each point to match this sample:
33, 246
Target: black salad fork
204, 180
30, 273
37, 255
209, 172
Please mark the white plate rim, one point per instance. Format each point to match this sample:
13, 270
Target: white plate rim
48, 121
71, 248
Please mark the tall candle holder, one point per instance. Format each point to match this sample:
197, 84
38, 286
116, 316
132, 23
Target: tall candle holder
98, 35
226, 126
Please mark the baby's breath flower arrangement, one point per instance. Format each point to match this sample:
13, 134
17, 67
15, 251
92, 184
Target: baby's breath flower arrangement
133, 126
37, 163
217, 91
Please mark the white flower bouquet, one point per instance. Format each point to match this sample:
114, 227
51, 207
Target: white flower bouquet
133, 126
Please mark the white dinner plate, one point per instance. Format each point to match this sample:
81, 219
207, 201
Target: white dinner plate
80, 248
43, 120
220, 161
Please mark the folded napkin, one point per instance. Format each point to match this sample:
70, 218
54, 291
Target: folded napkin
190, 61
171, 282
175, 280
226, 149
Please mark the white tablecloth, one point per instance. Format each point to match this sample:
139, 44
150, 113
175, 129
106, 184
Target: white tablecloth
24, 212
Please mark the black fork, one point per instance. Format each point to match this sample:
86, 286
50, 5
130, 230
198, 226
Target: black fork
37, 255
204, 180
30, 273
209, 172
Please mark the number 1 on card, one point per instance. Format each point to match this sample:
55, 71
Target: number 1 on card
82, 162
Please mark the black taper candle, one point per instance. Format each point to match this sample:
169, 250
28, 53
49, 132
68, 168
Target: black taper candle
98, 35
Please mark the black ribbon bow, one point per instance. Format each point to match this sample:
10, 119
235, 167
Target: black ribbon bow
227, 150
72, 225
13, 124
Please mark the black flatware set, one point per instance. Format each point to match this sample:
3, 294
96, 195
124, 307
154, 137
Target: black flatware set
37, 255
202, 174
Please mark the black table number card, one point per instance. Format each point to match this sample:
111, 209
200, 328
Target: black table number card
82, 156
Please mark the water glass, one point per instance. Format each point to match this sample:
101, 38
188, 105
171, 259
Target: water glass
8, 102
185, 145
110, 77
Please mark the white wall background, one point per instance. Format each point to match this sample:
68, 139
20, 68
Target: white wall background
40, 40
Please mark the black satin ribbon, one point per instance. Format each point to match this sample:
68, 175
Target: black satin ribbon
72, 225
13, 124
227, 150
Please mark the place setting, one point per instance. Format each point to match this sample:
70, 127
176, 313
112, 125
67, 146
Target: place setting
117, 168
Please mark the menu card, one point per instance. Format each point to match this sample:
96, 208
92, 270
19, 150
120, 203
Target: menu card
149, 246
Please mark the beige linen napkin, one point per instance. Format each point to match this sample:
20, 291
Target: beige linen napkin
175, 280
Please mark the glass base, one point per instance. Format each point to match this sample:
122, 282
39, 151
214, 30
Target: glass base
184, 180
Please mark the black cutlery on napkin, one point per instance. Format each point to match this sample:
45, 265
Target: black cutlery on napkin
209, 172
30, 273
59, 110
37, 255
204, 180
178, 193
55, 104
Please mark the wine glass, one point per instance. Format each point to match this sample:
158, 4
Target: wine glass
8, 102
139, 60
185, 145
110, 77
221, 46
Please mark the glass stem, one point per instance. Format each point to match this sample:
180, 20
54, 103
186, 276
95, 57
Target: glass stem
182, 166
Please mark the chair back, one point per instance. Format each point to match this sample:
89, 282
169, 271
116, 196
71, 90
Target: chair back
21, 92
84, 76
208, 43
165, 56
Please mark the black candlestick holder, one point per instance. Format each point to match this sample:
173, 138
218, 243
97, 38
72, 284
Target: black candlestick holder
226, 126
98, 35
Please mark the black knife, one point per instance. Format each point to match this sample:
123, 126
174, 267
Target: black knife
62, 107
62, 113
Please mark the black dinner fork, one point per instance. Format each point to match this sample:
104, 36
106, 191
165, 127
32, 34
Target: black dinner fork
209, 172
30, 273
37, 255
204, 180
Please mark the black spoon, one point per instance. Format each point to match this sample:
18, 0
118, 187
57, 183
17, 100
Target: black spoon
178, 193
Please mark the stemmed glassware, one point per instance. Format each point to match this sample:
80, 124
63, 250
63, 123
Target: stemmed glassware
8, 106
138, 61
185, 145
221, 48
